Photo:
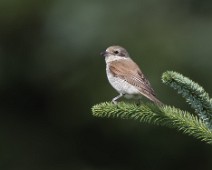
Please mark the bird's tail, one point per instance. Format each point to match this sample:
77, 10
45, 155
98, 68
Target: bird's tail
154, 99
157, 102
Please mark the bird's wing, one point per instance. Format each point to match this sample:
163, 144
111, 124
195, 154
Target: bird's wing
133, 76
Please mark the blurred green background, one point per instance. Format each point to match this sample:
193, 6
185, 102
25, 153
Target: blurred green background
51, 74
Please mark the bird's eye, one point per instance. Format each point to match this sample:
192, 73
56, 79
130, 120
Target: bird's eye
116, 52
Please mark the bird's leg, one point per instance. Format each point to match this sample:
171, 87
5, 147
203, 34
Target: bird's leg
116, 98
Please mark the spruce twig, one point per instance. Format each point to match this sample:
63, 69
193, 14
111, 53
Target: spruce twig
197, 126
150, 113
194, 94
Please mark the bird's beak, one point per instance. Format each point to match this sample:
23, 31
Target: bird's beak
104, 53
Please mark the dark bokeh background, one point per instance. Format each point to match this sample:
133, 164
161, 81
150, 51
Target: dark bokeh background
51, 75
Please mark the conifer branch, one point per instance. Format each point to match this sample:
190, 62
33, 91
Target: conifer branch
194, 94
150, 113
199, 126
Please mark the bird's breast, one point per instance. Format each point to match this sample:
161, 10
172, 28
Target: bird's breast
121, 85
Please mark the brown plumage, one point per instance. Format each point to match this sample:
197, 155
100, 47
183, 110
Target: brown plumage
125, 75
134, 76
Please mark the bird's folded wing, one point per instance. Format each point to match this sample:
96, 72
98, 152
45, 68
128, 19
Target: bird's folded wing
129, 71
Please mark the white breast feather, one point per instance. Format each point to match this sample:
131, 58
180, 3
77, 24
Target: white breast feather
122, 86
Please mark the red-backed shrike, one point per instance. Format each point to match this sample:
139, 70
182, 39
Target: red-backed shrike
125, 76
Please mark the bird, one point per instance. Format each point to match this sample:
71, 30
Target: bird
126, 77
